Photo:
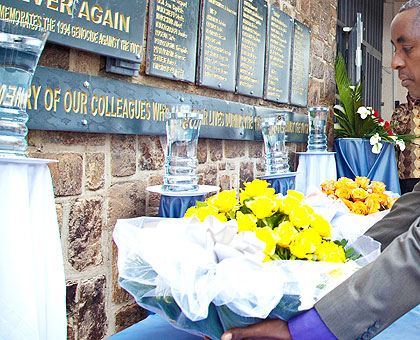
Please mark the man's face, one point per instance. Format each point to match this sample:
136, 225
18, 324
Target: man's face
405, 36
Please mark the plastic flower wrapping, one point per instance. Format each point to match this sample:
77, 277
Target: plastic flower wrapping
361, 196
233, 262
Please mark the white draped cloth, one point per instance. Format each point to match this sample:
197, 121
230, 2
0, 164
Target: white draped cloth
32, 284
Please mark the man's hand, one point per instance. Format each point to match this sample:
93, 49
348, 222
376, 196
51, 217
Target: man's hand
264, 330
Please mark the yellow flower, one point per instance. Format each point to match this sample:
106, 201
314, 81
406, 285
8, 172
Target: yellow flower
267, 235
286, 232
288, 203
321, 225
359, 208
262, 206
191, 211
224, 200
203, 212
301, 216
359, 194
256, 188
349, 204
377, 187
304, 244
328, 251
373, 203
362, 182
246, 221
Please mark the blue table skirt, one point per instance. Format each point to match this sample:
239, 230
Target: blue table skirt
156, 328
176, 206
354, 157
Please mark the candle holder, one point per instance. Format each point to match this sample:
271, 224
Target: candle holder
21, 45
182, 131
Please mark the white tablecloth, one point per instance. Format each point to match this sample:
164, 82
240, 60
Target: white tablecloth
313, 169
32, 284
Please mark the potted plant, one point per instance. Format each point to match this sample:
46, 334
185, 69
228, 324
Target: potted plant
364, 142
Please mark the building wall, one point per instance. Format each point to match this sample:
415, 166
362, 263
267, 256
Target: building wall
102, 177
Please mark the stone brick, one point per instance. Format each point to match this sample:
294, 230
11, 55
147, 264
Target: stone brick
216, 149
255, 149
55, 56
128, 315
224, 182
119, 295
84, 62
39, 138
202, 151
152, 155
71, 307
222, 166
66, 174
154, 199
246, 172
234, 149
230, 166
95, 170
260, 167
125, 200
93, 321
317, 67
329, 53
59, 210
317, 47
324, 29
313, 93
123, 155
209, 174
85, 230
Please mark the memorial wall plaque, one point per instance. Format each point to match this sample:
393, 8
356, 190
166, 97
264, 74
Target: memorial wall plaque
172, 39
112, 28
68, 101
299, 79
251, 47
217, 54
277, 74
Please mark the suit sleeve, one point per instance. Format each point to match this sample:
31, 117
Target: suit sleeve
381, 292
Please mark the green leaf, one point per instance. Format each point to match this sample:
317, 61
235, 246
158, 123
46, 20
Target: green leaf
200, 204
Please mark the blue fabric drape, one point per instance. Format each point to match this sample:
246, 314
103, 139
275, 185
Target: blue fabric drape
281, 182
176, 206
354, 157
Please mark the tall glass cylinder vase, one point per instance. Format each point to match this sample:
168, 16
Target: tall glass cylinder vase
317, 119
182, 131
274, 133
21, 45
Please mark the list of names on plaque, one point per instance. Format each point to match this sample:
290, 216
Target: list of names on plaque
172, 39
251, 43
300, 65
277, 73
218, 44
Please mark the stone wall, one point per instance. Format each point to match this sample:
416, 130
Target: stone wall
101, 177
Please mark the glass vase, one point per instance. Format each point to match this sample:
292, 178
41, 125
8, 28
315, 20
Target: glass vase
182, 131
317, 138
21, 45
274, 134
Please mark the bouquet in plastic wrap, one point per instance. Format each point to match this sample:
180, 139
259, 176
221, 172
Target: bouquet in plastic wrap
231, 263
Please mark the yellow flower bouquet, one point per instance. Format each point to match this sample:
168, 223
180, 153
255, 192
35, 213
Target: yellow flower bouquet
233, 261
361, 196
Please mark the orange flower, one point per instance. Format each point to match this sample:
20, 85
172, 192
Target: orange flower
377, 187
359, 194
362, 182
344, 181
383, 199
372, 202
349, 204
343, 192
328, 187
359, 208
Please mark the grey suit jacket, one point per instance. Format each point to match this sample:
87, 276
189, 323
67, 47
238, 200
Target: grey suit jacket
378, 294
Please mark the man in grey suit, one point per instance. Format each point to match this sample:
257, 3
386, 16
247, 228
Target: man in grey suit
380, 293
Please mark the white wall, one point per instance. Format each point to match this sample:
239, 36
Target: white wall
391, 85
